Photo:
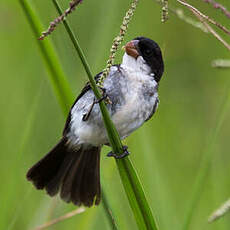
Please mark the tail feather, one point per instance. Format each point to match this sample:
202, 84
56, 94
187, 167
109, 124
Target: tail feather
45, 169
76, 172
88, 189
53, 186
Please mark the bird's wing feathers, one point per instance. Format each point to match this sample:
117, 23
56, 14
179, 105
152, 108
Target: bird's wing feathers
86, 88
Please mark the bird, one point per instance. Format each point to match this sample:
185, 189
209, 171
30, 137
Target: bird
72, 167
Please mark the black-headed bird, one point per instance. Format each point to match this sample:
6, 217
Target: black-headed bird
72, 167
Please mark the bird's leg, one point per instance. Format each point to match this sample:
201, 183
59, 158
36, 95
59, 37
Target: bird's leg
95, 101
119, 68
86, 115
119, 156
104, 95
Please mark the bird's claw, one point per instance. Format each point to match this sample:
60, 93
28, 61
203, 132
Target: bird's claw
96, 101
104, 96
119, 156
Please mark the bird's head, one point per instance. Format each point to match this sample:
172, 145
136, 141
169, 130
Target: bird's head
149, 51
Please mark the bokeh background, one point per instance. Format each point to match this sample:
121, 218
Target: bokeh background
192, 120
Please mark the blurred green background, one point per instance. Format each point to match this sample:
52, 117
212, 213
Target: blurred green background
167, 151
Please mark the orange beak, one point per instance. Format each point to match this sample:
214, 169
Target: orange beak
131, 48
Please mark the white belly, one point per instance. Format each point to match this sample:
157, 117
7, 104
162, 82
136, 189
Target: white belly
133, 114
127, 118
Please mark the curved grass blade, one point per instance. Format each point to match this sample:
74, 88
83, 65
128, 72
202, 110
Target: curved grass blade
133, 188
56, 75
57, 78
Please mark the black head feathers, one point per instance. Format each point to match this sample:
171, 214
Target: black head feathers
151, 53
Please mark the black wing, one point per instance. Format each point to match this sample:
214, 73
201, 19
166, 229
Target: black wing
86, 88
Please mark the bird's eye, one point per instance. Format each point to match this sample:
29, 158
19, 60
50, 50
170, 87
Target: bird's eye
147, 52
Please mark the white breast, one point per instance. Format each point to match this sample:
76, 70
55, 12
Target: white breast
127, 117
136, 109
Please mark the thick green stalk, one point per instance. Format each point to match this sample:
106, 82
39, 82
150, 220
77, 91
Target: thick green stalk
97, 93
56, 75
58, 80
133, 188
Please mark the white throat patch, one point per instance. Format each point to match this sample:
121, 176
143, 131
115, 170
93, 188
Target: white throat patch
138, 65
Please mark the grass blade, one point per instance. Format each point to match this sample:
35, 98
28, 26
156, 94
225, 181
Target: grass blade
57, 78
56, 75
109, 213
61, 218
133, 188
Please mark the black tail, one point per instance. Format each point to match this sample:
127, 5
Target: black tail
75, 172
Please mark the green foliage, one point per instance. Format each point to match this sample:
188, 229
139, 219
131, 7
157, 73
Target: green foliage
166, 151
56, 74
131, 183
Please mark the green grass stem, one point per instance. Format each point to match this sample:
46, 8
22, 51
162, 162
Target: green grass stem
133, 188
109, 213
132, 185
58, 80
56, 74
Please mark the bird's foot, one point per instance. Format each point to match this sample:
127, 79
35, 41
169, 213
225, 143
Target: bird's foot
119, 156
105, 96
96, 101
